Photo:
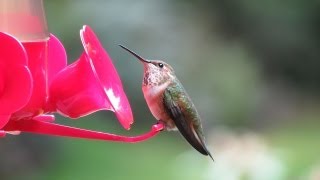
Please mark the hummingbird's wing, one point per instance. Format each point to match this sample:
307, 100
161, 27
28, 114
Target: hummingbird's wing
185, 127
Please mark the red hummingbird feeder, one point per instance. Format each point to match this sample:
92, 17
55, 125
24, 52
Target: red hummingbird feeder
36, 82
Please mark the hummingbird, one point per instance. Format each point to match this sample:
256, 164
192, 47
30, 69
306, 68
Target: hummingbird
169, 103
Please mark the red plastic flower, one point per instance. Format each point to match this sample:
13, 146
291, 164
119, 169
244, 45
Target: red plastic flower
90, 84
15, 78
35, 81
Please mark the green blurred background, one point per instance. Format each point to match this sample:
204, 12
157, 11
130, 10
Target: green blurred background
251, 68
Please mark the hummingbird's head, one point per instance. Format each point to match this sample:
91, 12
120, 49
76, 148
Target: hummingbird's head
156, 72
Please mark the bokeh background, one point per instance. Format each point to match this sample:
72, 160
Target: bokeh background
251, 68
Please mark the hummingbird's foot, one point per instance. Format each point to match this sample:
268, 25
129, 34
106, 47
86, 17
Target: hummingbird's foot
158, 127
162, 123
168, 125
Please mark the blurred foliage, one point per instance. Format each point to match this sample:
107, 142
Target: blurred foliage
283, 35
248, 65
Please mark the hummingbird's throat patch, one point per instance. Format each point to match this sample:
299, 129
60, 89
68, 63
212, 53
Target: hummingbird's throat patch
153, 78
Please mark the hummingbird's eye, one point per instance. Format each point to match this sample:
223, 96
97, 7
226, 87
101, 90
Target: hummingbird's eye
160, 65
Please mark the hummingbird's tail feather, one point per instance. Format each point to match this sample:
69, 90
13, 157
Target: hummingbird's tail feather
201, 140
193, 138
204, 146
210, 156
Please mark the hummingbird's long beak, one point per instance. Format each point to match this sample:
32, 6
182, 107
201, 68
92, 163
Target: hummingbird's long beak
135, 54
